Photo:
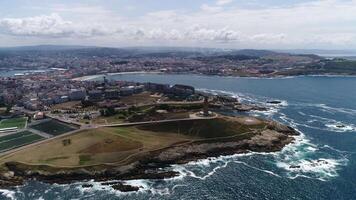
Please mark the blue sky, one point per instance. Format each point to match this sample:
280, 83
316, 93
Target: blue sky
267, 24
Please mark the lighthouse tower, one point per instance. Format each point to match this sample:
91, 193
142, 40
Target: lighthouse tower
206, 107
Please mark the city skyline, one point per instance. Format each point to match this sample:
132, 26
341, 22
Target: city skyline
202, 23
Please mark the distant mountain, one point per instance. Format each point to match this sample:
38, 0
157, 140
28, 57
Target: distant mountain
45, 48
200, 50
254, 52
321, 52
152, 52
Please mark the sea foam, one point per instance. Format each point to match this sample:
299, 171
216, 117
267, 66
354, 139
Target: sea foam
7, 193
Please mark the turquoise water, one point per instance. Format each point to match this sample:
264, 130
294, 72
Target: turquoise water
325, 152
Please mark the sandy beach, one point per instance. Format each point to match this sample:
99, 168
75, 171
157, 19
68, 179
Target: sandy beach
91, 77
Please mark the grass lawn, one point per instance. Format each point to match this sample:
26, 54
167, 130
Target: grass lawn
212, 128
53, 127
18, 139
19, 122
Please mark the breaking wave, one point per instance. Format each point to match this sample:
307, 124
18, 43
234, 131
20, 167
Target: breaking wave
299, 159
7, 194
304, 159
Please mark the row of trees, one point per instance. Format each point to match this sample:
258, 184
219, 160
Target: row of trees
8, 107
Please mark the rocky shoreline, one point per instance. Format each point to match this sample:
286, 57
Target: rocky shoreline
153, 164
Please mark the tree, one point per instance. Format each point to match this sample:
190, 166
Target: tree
108, 112
8, 109
102, 112
87, 103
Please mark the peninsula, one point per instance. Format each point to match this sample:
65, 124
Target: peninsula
140, 151
135, 132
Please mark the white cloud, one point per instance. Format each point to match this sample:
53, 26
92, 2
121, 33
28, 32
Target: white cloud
43, 25
268, 38
49, 26
207, 8
195, 33
313, 24
223, 2
208, 34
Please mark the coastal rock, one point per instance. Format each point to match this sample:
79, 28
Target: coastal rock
282, 128
274, 102
87, 185
247, 108
125, 188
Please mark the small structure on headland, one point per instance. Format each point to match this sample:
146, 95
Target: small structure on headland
38, 116
206, 106
205, 112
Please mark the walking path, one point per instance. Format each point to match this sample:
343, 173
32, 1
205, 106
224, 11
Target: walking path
43, 134
159, 121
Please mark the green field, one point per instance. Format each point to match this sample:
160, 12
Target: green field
53, 127
201, 128
18, 139
19, 122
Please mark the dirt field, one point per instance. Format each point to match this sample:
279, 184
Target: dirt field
142, 98
104, 145
108, 120
66, 106
2, 110
122, 145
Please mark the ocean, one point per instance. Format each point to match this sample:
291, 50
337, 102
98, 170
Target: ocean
322, 108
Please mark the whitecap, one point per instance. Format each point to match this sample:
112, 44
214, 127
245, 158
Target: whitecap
258, 169
339, 127
301, 113
8, 193
329, 124
337, 150
304, 159
322, 168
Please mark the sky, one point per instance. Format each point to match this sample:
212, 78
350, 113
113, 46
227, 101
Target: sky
260, 24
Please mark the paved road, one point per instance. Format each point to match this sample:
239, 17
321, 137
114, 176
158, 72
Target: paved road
64, 120
156, 122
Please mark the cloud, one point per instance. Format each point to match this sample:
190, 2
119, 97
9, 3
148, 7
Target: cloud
42, 25
268, 38
223, 2
207, 8
209, 34
49, 26
312, 24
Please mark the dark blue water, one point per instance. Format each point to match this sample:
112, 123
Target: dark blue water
322, 108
